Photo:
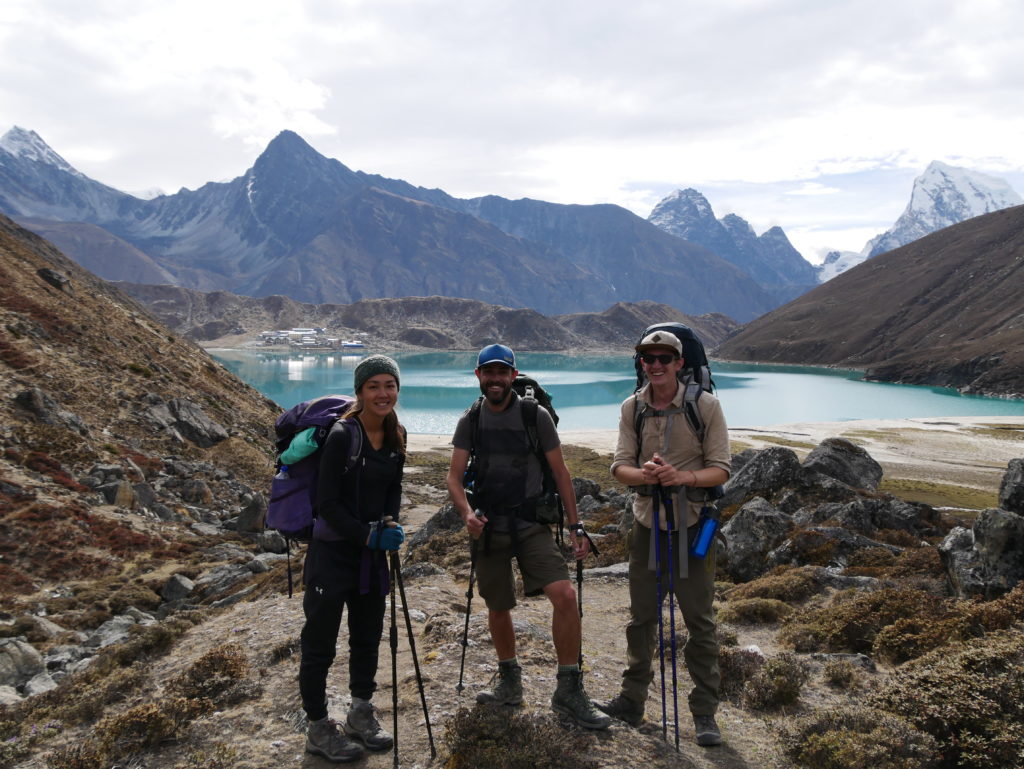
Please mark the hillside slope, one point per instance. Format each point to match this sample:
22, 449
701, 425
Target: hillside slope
431, 322
946, 310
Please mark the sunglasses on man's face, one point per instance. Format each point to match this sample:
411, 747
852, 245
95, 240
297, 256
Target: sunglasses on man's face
664, 358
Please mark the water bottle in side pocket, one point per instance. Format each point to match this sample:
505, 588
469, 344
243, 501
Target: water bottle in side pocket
707, 528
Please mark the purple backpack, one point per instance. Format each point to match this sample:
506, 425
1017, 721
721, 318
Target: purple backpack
292, 506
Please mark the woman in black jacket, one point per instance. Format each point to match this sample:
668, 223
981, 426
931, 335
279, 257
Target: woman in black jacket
346, 565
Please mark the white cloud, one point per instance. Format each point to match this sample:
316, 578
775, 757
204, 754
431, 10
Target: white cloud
780, 110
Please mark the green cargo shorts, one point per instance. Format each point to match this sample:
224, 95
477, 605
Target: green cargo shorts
540, 564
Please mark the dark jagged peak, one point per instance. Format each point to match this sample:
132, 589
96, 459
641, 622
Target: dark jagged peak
289, 151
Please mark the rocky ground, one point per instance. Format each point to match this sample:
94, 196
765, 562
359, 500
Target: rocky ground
264, 728
145, 620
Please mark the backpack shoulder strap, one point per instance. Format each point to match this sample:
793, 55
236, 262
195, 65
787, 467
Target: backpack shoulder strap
691, 395
354, 439
529, 411
474, 423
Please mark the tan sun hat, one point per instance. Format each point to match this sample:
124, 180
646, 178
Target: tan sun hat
661, 339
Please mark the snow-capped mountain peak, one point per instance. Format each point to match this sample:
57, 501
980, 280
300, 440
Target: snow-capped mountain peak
942, 196
29, 145
681, 206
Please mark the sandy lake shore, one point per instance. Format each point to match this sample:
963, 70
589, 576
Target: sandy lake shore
965, 451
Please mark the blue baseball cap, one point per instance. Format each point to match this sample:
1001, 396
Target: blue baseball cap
496, 353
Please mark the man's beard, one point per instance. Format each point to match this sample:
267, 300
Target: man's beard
505, 390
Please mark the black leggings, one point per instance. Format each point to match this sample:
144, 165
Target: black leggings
331, 576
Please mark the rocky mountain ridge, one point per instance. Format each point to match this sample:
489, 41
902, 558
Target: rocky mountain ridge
769, 258
430, 322
306, 225
944, 310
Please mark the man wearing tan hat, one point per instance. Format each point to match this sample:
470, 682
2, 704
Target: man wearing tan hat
671, 467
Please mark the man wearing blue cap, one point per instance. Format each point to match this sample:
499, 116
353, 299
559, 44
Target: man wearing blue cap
508, 484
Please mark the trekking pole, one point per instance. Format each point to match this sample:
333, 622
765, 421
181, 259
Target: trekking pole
469, 602
393, 638
397, 568
579, 587
661, 628
666, 498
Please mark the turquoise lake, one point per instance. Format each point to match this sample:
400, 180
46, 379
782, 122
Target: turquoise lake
587, 390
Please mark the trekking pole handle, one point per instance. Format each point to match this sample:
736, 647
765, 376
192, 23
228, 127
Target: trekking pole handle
579, 531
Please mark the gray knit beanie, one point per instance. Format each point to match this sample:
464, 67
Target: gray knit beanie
375, 364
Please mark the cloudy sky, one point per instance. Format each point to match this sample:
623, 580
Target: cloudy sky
812, 115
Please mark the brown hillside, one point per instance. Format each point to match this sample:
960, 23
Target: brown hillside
98, 354
946, 310
91, 390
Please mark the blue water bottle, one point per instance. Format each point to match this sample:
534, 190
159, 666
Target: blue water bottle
282, 474
707, 528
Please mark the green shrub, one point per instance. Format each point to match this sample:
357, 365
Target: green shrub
969, 697
754, 611
220, 756
139, 596
853, 620
146, 725
910, 637
841, 674
778, 683
737, 666
81, 755
858, 738
783, 584
219, 676
489, 736
18, 739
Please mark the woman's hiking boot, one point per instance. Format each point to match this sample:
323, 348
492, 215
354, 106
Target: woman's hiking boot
362, 724
707, 731
506, 686
324, 739
571, 700
624, 709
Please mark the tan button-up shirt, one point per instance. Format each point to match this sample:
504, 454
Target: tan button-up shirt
673, 438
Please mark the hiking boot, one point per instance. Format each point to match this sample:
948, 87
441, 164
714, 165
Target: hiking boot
324, 739
623, 708
707, 731
571, 700
362, 724
509, 687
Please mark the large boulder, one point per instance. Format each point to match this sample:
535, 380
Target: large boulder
444, 520
1011, 490
220, 579
38, 403
845, 461
762, 475
750, 535
254, 512
988, 559
184, 420
867, 515
19, 662
822, 545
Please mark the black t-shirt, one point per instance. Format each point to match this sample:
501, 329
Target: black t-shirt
513, 473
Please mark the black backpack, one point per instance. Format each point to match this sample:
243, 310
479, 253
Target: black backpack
532, 396
695, 376
529, 388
